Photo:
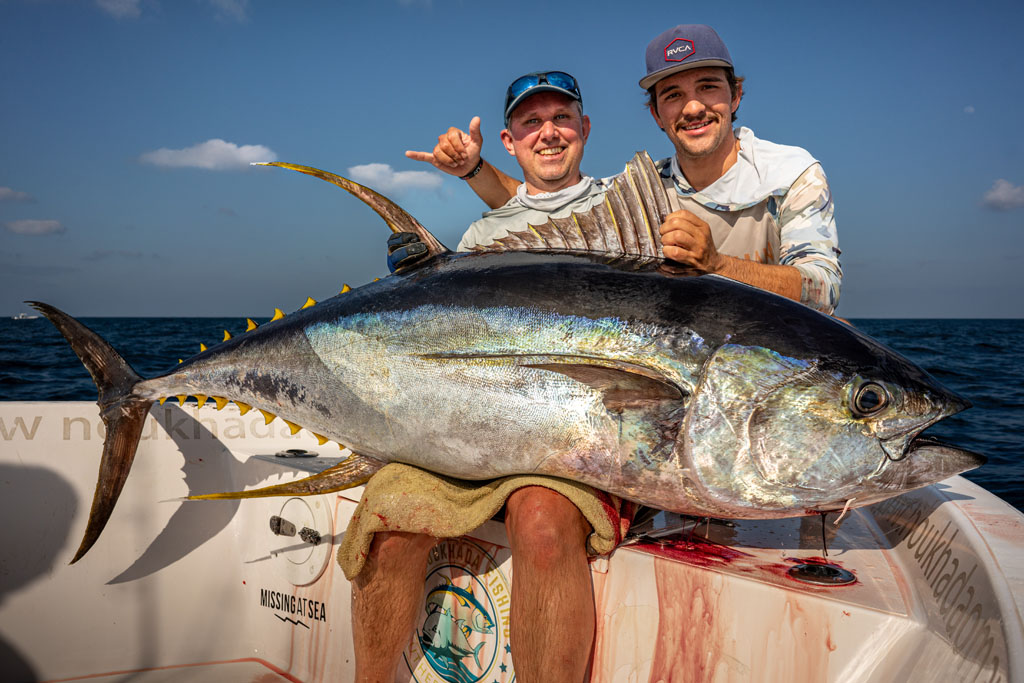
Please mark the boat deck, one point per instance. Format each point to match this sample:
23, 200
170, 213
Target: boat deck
178, 591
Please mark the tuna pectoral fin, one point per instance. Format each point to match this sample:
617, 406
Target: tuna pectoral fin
620, 388
352, 472
123, 415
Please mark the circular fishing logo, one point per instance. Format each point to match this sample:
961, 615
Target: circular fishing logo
462, 635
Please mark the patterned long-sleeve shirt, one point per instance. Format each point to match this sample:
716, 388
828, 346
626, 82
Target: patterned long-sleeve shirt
772, 206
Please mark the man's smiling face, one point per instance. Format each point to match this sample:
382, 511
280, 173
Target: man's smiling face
546, 134
695, 109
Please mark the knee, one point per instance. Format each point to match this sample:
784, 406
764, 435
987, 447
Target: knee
544, 527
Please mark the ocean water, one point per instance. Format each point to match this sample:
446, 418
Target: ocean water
982, 360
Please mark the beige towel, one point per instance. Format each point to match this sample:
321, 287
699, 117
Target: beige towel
405, 498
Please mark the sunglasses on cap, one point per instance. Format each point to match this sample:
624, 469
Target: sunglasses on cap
553, 81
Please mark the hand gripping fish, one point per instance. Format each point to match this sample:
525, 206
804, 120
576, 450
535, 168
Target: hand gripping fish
570, 349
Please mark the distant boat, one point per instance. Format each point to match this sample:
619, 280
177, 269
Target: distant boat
24, 316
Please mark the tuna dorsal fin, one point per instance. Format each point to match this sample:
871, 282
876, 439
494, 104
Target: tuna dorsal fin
395, 216
624, 225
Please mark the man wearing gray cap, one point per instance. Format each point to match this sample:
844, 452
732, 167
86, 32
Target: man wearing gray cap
745, 208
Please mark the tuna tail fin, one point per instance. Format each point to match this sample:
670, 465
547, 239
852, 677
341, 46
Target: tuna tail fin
395, 216
123, 415
354, 471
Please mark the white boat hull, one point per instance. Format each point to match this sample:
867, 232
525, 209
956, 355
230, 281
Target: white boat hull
177, 591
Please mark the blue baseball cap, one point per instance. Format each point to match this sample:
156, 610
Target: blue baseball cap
687, 46
537, 82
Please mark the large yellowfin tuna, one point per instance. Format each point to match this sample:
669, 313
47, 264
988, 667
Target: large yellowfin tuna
565, 350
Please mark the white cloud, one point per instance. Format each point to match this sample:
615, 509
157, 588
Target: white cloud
969, 109
1004, 196
215, 155
34, 227
120, 8
384, 179
9, 195
231, 9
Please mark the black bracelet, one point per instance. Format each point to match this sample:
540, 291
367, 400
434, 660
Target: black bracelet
472, 174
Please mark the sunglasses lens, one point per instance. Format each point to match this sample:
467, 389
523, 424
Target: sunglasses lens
521, 85
559, 79
563, 80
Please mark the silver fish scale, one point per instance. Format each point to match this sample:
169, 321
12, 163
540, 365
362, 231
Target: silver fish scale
454, 392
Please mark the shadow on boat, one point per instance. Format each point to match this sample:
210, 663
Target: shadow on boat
30, 550
882, 525
209, 467
39, 505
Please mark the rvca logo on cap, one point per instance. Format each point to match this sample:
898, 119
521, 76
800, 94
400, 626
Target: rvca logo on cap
678, 50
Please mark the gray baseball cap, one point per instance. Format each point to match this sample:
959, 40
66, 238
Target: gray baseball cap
687, 46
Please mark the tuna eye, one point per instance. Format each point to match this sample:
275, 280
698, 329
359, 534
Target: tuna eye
870, 398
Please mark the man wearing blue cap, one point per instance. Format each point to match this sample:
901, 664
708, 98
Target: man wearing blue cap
745, 208
549, 523
549, 153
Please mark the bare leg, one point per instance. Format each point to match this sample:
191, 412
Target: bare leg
385, 599
552, 620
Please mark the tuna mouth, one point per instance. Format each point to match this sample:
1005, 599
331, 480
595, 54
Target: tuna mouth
898, 447
932, 461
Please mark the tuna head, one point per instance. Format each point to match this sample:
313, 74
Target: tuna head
767, 433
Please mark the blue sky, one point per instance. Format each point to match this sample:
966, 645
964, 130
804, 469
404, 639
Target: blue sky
127, 125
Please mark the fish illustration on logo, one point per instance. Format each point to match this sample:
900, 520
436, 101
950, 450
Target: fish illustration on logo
453, 616
464, 634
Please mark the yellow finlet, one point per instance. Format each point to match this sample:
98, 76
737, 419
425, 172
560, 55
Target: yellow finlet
227, 335
164, 399
202, 347
321, 439
341, 446
292, 426
267, 417
180, 360
376, 279
220, 401
250, 325
243, 408
201, 398
181, 399
310, 301
278, 314
345, 289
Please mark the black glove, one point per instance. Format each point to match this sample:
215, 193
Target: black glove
404, 249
